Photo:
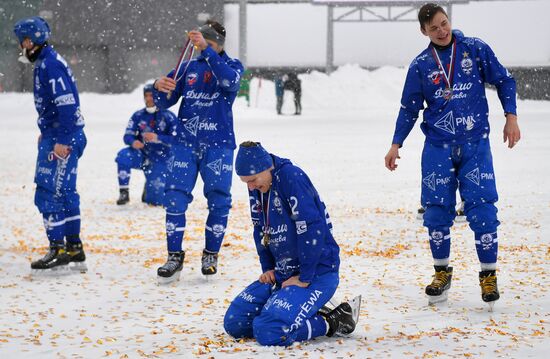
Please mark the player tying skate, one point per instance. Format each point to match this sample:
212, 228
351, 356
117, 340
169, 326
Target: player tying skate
204, 143
298, 255
148, 136
450, 76
60, 145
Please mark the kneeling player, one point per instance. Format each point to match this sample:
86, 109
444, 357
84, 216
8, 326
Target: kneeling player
148, 137
298, 255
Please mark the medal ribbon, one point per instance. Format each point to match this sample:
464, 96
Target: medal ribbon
265, 212
447, 77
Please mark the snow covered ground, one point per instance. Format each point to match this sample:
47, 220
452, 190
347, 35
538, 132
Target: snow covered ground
117, 310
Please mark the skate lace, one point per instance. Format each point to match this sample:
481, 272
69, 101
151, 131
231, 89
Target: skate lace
488, 284
208, 260
50, 255
440, 279
172, 262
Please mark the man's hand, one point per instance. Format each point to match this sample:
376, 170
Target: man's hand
294, 281
150, 137
268, 277
511, 130
198, 40
61, 151
138, 145
391, 157
165, 84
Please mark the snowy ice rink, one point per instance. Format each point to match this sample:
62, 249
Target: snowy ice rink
117, 309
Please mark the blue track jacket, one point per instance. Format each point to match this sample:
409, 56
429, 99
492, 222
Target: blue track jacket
464, 117
301, 241
56, 97
208, 89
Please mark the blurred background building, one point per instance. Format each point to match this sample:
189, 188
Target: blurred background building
111, 46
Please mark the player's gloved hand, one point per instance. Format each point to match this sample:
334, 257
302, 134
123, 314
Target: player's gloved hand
165, 84
268, 277
150, 137
391, 157
138, 145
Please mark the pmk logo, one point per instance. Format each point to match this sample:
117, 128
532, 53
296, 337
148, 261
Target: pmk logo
207, 77
431, 182
217, 167
476, 176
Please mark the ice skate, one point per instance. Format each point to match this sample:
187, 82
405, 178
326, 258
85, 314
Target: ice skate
437, 291
489, 288
209, 263
124, 197
343, 319
77, 257
54, 262
171, 270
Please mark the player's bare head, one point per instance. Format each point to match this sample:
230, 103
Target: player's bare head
427, 13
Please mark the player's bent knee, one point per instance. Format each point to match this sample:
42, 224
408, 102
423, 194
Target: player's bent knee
236, 325
268, 332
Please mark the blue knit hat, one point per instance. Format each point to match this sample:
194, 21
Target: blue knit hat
252, 160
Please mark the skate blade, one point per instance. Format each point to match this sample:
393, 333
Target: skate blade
355, 305
491, 306
209, 278
78, 267
434, 299
167, 280
51, 272
420, 216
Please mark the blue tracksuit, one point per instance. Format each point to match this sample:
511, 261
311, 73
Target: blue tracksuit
456, 153
60, 122
204, 143
300, 244
153, 157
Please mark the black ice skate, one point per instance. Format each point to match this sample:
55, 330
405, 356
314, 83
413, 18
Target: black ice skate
171, 270
489, 288
437, 291
77, 257
124, 197
55, 261
420, 213
343, 319
209, 262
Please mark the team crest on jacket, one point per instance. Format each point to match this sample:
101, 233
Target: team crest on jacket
278, 204
435, 77
192, 78
467, 64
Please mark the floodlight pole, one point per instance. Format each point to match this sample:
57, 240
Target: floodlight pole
330, 39
242, 31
